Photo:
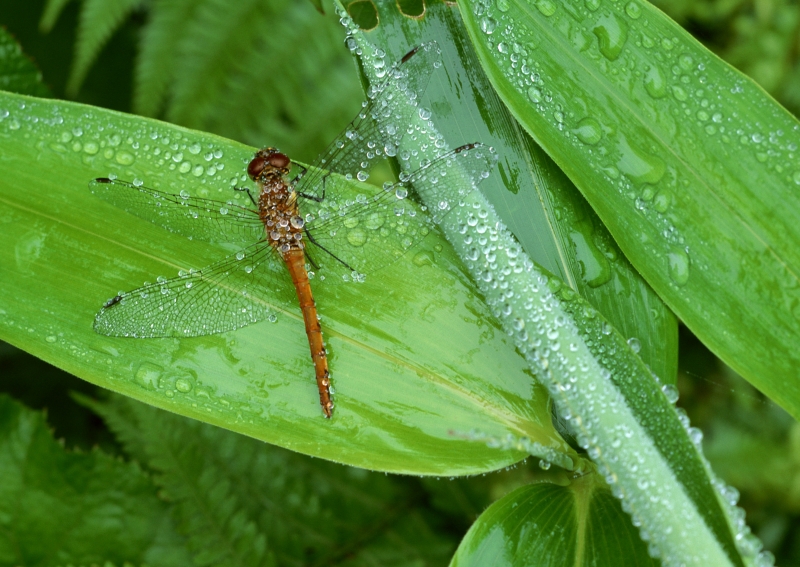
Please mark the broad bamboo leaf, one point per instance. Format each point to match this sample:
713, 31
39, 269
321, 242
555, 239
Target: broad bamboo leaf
688, 162
547, 525
413, 351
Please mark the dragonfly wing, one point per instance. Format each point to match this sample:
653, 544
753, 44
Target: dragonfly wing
375, 133
194, 217
227, 295
373, 231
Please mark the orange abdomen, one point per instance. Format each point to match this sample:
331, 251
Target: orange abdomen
295, 262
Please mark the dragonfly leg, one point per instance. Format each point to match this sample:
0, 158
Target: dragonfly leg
300, 175
332, 255
249, 194
314, 197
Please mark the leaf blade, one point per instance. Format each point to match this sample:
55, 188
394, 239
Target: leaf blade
399, 392
673, 176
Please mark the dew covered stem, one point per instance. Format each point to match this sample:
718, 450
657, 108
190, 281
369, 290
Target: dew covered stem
542, 326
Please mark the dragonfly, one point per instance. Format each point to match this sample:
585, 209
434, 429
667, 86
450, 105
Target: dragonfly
307, 224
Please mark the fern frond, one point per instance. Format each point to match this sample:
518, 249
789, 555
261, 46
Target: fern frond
158, 53
99, 19
70, 507
234, 69
52, 10
233, 495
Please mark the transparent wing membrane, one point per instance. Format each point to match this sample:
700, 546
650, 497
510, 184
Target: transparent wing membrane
345, 234
227, 295
375, 133
372, 231
204, 219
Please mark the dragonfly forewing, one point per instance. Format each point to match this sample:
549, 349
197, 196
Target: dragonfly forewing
204, 219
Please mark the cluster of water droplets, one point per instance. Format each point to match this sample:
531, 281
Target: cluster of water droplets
629, 46
548, 455
115, 145
637, 172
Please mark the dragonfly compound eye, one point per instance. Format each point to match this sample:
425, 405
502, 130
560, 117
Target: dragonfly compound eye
279, 160
256, 166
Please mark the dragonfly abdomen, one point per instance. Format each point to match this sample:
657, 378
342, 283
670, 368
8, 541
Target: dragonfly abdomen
295, 263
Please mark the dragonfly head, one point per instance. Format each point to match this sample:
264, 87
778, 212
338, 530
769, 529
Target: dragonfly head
268, 162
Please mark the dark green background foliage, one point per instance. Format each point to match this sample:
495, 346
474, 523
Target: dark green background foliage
188, 491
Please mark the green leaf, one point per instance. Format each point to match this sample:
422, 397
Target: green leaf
236, 70
18, 74
99, 19
687, 162
414, 352
240, 502
52, 10
550, 525
60, 507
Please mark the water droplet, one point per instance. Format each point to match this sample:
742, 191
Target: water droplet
635, 344
357, 237
612, 33
679, 93
662, 201
592, 5
638, 165
124, 158
671, 392
679, 266
148, 374
488, 25
634, 10
183, 385
535, 95
589, 131
423, 258
546, 7
654, 82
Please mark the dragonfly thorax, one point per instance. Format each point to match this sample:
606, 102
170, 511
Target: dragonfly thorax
277, 202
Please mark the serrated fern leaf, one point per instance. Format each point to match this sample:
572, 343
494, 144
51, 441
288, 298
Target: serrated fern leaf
99, 19
241, 502
158, 53
218, 529
69, 507
232, 68
52, 10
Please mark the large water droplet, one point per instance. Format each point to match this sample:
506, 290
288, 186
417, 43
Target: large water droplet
638, 165
679, 266
654, 82
147, 375
546, 7
612, 33
589, 131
